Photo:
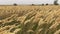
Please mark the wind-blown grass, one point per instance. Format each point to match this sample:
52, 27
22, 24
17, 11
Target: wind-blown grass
30, 20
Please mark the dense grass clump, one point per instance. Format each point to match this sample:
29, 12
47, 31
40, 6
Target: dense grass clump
34, 20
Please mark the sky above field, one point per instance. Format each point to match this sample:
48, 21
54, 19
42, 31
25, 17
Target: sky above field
26, 1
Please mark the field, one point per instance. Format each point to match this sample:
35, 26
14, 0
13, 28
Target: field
30, 19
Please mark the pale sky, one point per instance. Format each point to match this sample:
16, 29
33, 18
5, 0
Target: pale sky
26, 1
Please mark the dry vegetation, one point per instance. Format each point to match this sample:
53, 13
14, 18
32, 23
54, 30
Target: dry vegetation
30, 19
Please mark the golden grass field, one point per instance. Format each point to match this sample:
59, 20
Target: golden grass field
30, 19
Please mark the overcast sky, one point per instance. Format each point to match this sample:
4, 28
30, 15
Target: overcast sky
26, 1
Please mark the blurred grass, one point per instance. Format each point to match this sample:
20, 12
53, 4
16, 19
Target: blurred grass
30, 19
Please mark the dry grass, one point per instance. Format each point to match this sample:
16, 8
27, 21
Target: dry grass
30, 19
